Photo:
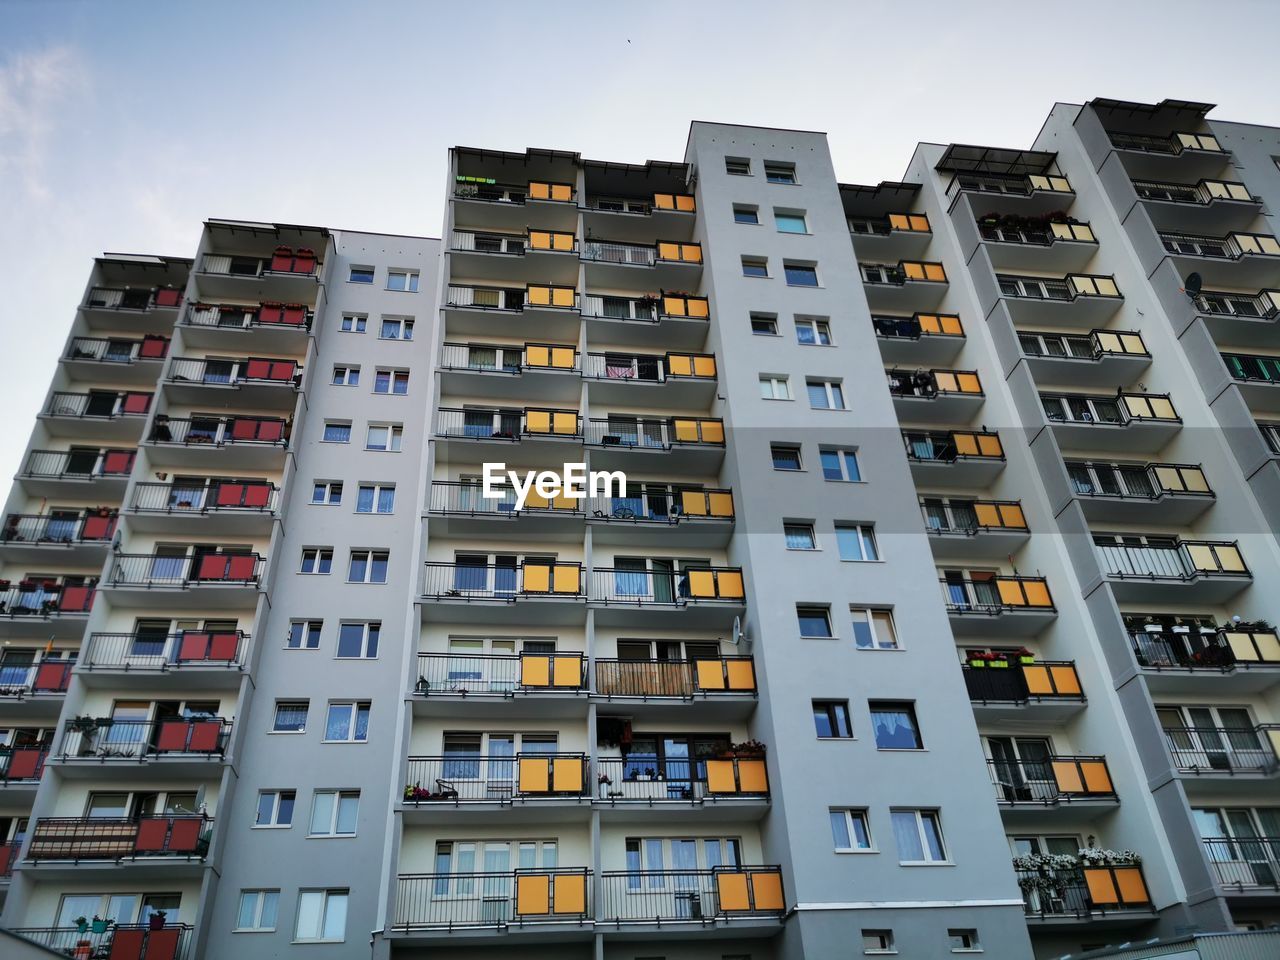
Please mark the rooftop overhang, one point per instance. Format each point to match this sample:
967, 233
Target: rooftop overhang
875, 202
1159, 119
663, 176
999, 161
282, 231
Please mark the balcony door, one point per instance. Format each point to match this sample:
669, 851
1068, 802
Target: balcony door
1243, 844
1064, 899
118, 907
1021, 769
473, 665
16, 668
1214, 738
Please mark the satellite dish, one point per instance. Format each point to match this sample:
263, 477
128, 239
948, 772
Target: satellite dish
1193, 284
737, 631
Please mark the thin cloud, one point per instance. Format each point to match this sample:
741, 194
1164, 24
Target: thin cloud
33, 87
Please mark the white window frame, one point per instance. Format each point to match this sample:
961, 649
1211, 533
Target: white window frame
332, 493
884, 935
371, 554
317, 555
737, 161
780, 215
395, 437
260, 896
845, 454
345, 375
310, 629
968, 937
865, 534
775, 386
791, 447
794, 265
402, 324
820, 330
827, 388
412, 280
826, 613
327, 897
351, 273
353, 708
804, 527
871, 614
755, 262
335, 423
768, 318
746, 208
393, 375
378, 489
920, 813
353, 323
365, 633
773, 168
338, 798
275, 716
852, 815
274, 823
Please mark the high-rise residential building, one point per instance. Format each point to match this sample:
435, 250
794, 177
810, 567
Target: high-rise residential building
981, 662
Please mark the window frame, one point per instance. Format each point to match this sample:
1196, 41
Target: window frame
801, 529
412, 280
352, 270
401, 323
884, 935
865, 537
743, 162
305, 704
345, 375
260, 897
920, 814
753, 262
764, 318
316, 557
308, 630
871, 613
790, 265
378, 489
829, 386
811, 611
818, 327
774, 381
353, 323
791, 215
746, 209
394, 379
795, 448
278, 795
327, 896
324, 433
881, 707
370, 635
852, 816
330, 488
372, 556
836, 711
395, 437
338, 795
354, 708
844, 454
781, 172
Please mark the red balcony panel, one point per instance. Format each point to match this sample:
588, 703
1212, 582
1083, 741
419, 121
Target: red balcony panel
271, 312
257, 494
173, 736
75, 599
25, 763
153, 347
270, 430
295, 314
185, 835
269, 370
151, 834
52, 677
117, 461
163, 944
204, 736
168, 298
241, 567
255, 428
282, 259
98, 528
194, 646
136, 402
8, 853
127, 944
212, 566
229, 495
224, 646
305, 261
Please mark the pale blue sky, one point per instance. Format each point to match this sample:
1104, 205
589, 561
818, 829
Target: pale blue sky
124, 124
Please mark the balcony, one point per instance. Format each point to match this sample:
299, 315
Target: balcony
732, 896
519, 787
1257, 379
1046, 691
1025, 786
1195, 658
1034, 194
1212, 205
485, 202
268, 326
540, 684
1236, 259
120, 941
58, 605
178, 746
990, 529
21, 768
286, 276
179, 580
639, 217
1001, 605
494, 432
1096, 359
61, 473
656, 320
527, 899
76, 536
1170, 569
246, 442
723, 687
470, 513
1116, 492
240, 506
668, 263
1093, 894
1123, 423
733, 787
708, 596
545, 592
921, 338
268, 383
550, 256
677, 380
540, 309
656, 513
936, 396
909, 286
215, 657
116, 359
1076, 301
691, 443
1245, 865
1225, 752
149, 309
97, 415
961, 458
510, 371
174, 839
40, 684
1037, 243
900, 235
1181, 155
1240, 319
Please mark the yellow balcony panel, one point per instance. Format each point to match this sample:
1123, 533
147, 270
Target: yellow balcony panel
681, 202
698, 308
546, 190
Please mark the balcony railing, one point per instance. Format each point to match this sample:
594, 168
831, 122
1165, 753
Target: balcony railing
461, 581
98, 405
652, 434
1244, 863
1252, 369
108, 838
159, 570
67, 529
117, 349
949, 447
1233, 246
133, 298
641, 255
40, 676
889, 225
468, 499
1151, 481
899, 274
165, 651
1092, 346
1121, 409
44, 598
501, 779
240, 317
692, 896
681, 679
489, 191
219, 431
510, 898
1066, 289
508, 358
228, 373
140, 740
1045, 681
682, 781
22, 764
61, 464
1224, 750
217, 497
1174, 144
643, 368
646, 309
120, 941
284, 262
1084, 892
1036, 234
664, 506
1225, 649
1264, 305
928, 384
485, 298
1012, 185
477, 423
467, 674
1000, 594
1051, 781
1178, 560
1203, 192
471, 241
917, 326
649, 588
971, 517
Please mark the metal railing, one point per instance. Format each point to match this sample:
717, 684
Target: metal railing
649, 781
219, 431
485, 298
635, 254
460, 581
103, 406
1069, 896
1182, 561
1263, 305
667, 588
970, 517
497, 358
492, 423
1222, 750
491, 674
928, 446
1036, 234
1203, 192
117, 349
1232, 246
123, 838
494, 778
1055, 681
44, 598
1250, 368
672, 506
227, 373
1201, 650
1050, 781
39, 676
682, 679
471, 241
654, 434
890, 224
1127, 481
41, 529
241, 317
1000, 594
1245, 862
1065, 289
218, 496
468, 499
165, 651
929, 384
452, 900
106, 738
23, 764
621, 308
133, 298
78, 466
491, 192
120, 941
1091, 346
691, 896
1173, 144
298, 264
1012, 185
159, 570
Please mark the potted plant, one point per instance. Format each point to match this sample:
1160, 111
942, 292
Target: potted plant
603, 782
998, 661
99, 924
978, 659
1025, 656
84, 724
82, 924
156, 920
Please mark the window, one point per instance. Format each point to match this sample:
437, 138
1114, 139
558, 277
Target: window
873, 629
814, 621
404, 281
764, 326
322, 915
291, 716
964, 940
745, 214
328, 492
376, 498
800, 536
825, 394
396, 328
384, 437
737, 166
800, 274
918, 834
877, 941
776, 172
755, 267
774, 387
353, 323
813, 332
336, 431
849, 830
895, 727
359, 641
275, 808
360, 275
334, 813
790, 222
368, 566
840, 465
318, 560
831, 719
856, 541
258, 910
785, 457
391, 381
344, 376
347, 723
304, 634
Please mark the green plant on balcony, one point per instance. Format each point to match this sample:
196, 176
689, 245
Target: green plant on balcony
745, 749
1092, 856
1045, 872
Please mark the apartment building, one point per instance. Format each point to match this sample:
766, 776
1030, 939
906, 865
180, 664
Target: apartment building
980, 662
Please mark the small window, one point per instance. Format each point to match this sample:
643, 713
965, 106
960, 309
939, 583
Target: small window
354, 323
327, 492
334, 813
322, 916
790, 222
755, 267
799, 536
291, 716
391, 381
812, 332
361, 275
964, 941
776, 172
918, 834
359, 641
402, 281
873, 629
385, 437
745, 214
344, 376
800, 274
396, 328
877, 941
785, 456
258, 910
376, 498
775, 387
840, 465
764, 326
347, 722
831, 719
895, 726
825, 394
857, 541
737, 166
814, 621
368, 566
336, 431
316, 560
304, 634
849, 830
275, 808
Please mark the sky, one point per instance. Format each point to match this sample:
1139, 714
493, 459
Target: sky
124, 124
